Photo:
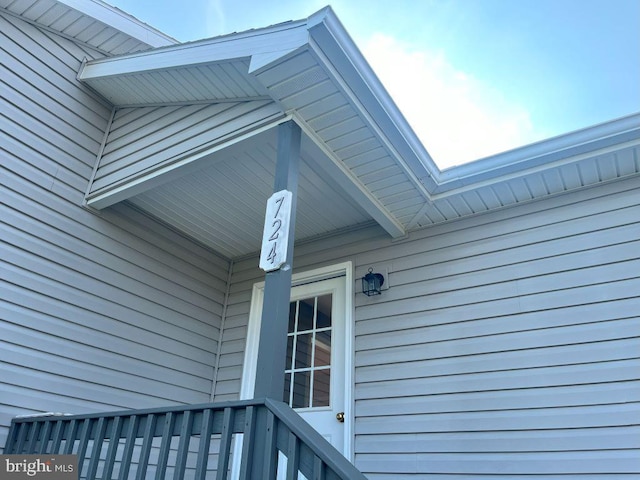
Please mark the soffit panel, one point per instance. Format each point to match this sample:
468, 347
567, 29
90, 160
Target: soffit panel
85, 28
572, 174
299, 84
223, 81
222, 204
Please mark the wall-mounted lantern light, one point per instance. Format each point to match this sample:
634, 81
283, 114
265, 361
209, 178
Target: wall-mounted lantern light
372, 283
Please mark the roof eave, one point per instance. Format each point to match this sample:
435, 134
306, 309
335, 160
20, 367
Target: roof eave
322, 31
324, 38
546, 153
345, 59
121, 21
249, 44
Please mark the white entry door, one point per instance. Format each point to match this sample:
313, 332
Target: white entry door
315, 369
318, 370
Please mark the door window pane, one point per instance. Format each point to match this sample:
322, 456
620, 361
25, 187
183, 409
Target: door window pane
301, 390
289, 351
323, 319
322, 355
303, 350
287, 388
321, 384
292, 316
307, 374
306, 312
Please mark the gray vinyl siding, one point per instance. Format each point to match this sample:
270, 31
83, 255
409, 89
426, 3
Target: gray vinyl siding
507, 346
144, 139
98, 310
229, 374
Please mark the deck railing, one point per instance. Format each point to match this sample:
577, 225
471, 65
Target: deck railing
194, 442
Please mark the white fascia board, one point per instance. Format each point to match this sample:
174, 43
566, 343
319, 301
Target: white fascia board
121, 21
542, 155
270, 42
347, 181
261, 61
549, 164
343, 61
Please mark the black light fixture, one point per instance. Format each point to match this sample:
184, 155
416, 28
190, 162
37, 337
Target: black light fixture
372, 283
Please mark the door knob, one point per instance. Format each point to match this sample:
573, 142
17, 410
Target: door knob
340, 417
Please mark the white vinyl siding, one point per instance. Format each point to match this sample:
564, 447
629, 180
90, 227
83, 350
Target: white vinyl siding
98, 311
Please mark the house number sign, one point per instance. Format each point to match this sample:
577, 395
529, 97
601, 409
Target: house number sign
275, 237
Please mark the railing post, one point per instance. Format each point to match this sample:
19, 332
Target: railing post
263, 462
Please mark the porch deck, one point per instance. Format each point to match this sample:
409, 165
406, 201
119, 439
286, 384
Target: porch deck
194, 442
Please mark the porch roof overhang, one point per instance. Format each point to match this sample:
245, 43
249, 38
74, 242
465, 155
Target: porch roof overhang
357, 164
362, 162
92, 22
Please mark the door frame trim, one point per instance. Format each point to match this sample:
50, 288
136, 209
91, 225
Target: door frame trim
253, 338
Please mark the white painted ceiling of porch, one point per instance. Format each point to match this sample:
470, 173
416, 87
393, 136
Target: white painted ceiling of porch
222, 204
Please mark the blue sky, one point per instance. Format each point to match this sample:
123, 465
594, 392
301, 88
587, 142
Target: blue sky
473, 77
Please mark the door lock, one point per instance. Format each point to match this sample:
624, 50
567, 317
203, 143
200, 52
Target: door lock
340, 417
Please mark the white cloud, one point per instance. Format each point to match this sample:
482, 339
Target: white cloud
457, 117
